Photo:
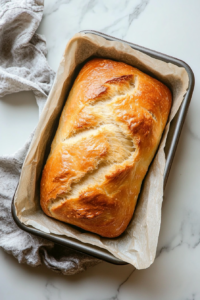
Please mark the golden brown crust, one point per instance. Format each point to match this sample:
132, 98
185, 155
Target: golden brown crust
108, 134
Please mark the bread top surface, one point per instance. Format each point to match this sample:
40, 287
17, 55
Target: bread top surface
107, 136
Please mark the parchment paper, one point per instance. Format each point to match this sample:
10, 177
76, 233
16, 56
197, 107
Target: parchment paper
137, 245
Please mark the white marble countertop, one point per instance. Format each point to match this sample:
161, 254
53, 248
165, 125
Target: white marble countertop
168, 26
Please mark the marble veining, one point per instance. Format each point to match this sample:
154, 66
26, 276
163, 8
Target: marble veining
170, 27
54, 6
137, 11
51, 291
126, 19
117, 295
188, 234
88, 14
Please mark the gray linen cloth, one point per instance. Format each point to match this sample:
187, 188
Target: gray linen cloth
23, 67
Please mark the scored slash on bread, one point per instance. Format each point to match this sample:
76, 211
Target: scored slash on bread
107, 136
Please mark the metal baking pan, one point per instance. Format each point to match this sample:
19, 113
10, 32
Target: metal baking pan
172, 142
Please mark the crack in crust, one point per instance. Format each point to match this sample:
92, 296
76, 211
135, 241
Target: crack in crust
123, 86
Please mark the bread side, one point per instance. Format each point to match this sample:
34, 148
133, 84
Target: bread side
108, 134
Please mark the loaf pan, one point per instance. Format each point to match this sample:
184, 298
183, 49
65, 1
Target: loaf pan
171, 145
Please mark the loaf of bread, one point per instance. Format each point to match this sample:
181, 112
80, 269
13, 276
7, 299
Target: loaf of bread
107, 136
